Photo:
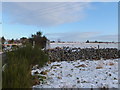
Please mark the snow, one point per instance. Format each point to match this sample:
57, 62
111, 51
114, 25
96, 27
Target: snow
80, 74
85, 45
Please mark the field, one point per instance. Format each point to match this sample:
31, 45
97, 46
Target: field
78, 73
85, 45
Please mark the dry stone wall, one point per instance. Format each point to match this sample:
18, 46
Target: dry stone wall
70, 54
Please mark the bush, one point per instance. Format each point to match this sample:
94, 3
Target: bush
17, 73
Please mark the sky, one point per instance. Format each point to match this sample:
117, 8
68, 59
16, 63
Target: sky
66, 21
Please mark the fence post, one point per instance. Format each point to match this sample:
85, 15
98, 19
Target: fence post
99, 52
33, 44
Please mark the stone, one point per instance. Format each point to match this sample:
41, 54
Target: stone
109, 74
59, 77
36, 72
52, 74
78, 81
115, 78
44, 73
67, 54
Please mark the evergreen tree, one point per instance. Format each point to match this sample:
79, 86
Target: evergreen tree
3, 40
87, 41
38, 39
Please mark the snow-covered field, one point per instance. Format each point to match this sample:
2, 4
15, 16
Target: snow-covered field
85, 45
80, 74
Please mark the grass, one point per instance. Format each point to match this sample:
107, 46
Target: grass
17, 72
0, 71
0, 67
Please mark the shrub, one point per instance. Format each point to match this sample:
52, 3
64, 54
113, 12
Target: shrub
17, 73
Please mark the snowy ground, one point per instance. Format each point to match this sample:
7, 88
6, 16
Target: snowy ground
85, 45
80, 74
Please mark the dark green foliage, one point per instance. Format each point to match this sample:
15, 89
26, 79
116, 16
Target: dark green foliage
34, 55
0, 47
11, 41
2, 40
23, 40
17, 72
96, 41
38, 39
87, 41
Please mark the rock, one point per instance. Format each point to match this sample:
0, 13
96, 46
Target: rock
52, 74
36, 72
109, 74
59, 77
83, 82
78, 81
115, 78
69, 75
67, 54
44, 73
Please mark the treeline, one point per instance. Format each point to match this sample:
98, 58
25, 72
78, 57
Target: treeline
19, 63
37, 38
98, 42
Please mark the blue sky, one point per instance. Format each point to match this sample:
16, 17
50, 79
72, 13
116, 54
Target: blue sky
64, 21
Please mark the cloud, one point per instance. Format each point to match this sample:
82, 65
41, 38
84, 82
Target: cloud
81, 36
44, 13
72, 36
107, 37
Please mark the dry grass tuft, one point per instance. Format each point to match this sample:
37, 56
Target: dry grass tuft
110, 63
82, 65
99, 67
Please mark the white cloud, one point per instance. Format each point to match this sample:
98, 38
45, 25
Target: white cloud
44, 14
72, 36
107, 37
81, 36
